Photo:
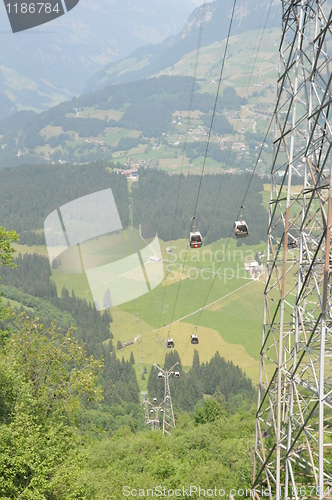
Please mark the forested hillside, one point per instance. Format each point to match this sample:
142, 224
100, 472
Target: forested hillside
146, 106
164, 204
52, 448
71, 422
29, 194
63, 435
30, 284
215, 378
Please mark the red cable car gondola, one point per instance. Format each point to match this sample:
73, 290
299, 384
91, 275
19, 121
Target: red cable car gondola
195, 237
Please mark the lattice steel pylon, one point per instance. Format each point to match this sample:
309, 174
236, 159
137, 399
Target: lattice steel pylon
293, 426
168, 416
154, 422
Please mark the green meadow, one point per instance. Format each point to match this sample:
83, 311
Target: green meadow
207, 288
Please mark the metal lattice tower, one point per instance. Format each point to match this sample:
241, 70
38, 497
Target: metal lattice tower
145, 403
168, 416
294, 416
154, 422
154, 410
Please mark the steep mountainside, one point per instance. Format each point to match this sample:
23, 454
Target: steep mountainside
149, 60
46, 65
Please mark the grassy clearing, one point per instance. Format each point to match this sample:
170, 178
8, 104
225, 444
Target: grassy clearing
14, 303
23, 249
77, 283
114, 134
151, 347
102, 114
140, 149
235, 320
51, 131
193, 279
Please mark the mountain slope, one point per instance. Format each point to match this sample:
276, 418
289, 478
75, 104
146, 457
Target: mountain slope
145, 120
149, 60
46, 65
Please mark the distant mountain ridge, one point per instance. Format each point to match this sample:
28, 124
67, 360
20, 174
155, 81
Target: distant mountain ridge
150, 60
41, 67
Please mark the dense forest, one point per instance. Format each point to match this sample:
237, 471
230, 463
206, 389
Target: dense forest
164, 204
29, 283
55, 445
32, 276
71, 423
217, 378
30, 193
63, 435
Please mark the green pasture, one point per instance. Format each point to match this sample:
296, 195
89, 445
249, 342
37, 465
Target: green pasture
102, 114
94, 253
242, 66
23, 249
212, 277
14, 303
74, 282
232, 325
114, 134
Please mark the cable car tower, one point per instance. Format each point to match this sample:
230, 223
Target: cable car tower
151, 416
294, 415
168, 415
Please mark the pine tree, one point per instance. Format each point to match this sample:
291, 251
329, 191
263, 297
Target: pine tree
196, 362
132, 359
107, 301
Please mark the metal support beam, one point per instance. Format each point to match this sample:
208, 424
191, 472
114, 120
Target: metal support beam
294, 410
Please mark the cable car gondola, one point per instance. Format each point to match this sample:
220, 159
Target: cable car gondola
195, 237
170, 343
240, 226
160, 376
177, 374
194, 339
154, 400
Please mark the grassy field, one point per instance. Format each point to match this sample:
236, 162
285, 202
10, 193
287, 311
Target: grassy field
244, 68
14, 303
212, 278
232, 325
40, 250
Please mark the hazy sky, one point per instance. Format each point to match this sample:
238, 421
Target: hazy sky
198, 2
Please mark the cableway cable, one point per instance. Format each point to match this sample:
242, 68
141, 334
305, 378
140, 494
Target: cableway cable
230, 235
215, 105
246, 92
207, 144
187, 128
206, 153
